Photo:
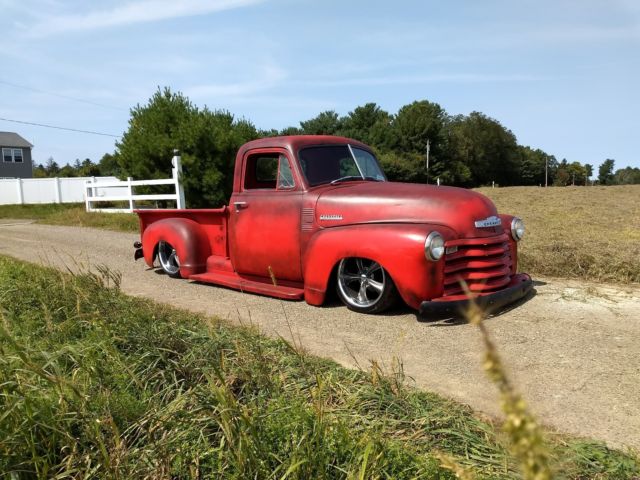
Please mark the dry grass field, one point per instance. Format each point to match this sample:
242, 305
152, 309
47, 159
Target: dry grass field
591, 233
577, 232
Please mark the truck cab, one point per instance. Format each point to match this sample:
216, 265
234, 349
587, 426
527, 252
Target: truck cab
308, 212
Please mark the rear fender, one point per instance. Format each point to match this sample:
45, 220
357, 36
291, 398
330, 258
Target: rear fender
399, 248
186, 236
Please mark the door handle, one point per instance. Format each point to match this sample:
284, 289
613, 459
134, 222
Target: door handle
240, 205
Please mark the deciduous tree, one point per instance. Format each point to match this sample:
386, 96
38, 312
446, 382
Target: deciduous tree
489, 151
627, 176
371, 125
326, 123
605, 172
207, 140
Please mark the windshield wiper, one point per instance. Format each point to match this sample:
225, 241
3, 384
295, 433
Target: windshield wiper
348, 177
355, 177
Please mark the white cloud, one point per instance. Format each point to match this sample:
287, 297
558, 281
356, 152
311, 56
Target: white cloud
420, 79
144, 11
267, 78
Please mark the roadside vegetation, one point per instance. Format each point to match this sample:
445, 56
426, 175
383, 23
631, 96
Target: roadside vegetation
73, 214
589, 233
97, 384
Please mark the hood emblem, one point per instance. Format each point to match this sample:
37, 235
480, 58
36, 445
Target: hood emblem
489, 222
331, 217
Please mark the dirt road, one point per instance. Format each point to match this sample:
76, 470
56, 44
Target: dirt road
573, 349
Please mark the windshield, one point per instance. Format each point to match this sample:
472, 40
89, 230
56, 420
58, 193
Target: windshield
337, 163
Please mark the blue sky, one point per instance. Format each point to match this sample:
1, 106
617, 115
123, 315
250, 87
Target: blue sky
563, 75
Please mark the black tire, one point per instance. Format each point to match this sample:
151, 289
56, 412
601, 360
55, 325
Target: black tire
364, 286
169, 261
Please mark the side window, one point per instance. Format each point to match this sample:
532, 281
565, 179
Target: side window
17, 155
268, 171
285, 176
7, 155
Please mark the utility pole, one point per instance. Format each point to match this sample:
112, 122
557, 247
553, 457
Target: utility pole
428, 149
546, 169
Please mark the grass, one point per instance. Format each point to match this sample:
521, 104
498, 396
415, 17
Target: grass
71, 214
589, 233
97, 384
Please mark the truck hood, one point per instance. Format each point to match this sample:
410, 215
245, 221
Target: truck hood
391, 202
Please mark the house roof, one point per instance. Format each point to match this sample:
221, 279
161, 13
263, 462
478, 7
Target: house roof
10, 139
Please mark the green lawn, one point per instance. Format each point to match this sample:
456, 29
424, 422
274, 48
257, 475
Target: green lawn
97, 384
71, 214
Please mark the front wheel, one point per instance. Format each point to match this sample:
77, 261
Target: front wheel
169, 260
364, 286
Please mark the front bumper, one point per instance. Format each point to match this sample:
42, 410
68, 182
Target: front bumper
519, 287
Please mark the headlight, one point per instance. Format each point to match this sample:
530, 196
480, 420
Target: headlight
517, 229
434, 247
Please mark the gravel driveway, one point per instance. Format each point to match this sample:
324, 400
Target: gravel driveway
573, 349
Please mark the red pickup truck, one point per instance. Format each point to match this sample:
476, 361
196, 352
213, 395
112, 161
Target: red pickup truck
311, 213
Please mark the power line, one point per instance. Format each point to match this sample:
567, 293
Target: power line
60, 128
60, 95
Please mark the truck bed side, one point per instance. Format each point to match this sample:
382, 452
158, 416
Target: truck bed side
213, 222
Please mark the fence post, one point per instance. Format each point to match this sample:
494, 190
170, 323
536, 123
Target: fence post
87, 195
130, 187
56, 185
94, 190
19, 191
176, 173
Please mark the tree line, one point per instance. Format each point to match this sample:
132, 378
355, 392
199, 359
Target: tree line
463, 150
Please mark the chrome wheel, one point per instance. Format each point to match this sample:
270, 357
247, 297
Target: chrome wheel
364, 286
169, 260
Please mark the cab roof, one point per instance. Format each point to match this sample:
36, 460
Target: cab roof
293, 143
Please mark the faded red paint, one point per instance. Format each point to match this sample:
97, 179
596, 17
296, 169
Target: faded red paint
279, 231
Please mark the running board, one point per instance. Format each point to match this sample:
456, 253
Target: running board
235, 281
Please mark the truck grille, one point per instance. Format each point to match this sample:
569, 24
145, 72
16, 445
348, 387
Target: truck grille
483, 263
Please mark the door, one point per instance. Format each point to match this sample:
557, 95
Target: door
265, 217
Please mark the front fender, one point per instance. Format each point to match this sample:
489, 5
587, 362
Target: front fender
513, 245
399, 248
186, 236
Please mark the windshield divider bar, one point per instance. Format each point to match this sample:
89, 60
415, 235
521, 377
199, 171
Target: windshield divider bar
353, 155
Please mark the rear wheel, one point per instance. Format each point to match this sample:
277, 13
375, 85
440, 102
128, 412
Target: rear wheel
364, 286
169, 260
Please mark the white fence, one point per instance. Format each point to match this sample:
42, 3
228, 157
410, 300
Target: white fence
46, 190
123, 191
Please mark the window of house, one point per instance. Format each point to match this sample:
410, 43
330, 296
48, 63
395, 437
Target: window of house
268, 171
11, 155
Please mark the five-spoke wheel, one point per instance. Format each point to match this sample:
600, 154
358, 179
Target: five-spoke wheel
364, 286
169, 260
